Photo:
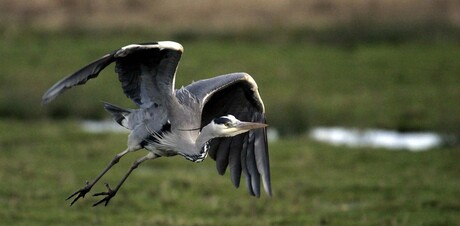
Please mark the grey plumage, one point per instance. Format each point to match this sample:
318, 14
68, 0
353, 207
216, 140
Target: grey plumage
222, 116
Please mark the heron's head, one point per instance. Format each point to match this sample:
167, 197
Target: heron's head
228, 126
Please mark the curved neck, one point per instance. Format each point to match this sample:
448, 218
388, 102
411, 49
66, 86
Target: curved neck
205, 135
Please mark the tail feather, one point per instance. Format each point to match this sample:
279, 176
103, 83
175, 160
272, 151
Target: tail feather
119, 114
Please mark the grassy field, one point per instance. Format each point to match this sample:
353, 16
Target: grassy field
41, 163
384, 63
404, 86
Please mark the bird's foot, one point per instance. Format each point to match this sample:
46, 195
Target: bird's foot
108, 195
80, 193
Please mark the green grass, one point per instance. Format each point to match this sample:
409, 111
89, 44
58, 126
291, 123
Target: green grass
41, 163
396, 85
403, 86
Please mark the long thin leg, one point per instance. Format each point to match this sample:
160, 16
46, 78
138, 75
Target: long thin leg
82, 192
112, 192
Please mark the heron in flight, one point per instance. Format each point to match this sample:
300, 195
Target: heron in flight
222, 116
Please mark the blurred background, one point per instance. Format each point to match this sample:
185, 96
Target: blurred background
383, 65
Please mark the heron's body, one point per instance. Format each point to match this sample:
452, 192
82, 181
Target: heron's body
152, 130
201, 118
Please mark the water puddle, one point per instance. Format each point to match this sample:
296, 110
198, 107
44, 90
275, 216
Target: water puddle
377, 138
105, 126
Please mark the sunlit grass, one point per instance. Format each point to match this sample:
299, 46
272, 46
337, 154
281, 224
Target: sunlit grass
41, 163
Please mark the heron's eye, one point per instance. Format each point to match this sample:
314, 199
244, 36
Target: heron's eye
227, 124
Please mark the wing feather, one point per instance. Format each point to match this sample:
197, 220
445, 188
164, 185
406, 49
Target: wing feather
252, 166
244, 165
247, 154
234, 159
261, 154
80, 77
213, 146
222, 155
146, 72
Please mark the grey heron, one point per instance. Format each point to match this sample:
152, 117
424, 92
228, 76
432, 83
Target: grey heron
223, 116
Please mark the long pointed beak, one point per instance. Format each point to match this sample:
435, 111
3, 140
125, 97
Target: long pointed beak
250, 125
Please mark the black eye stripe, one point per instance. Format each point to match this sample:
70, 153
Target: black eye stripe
221, 120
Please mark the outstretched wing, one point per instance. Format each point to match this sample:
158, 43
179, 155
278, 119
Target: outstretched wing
146, 72
247, 153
